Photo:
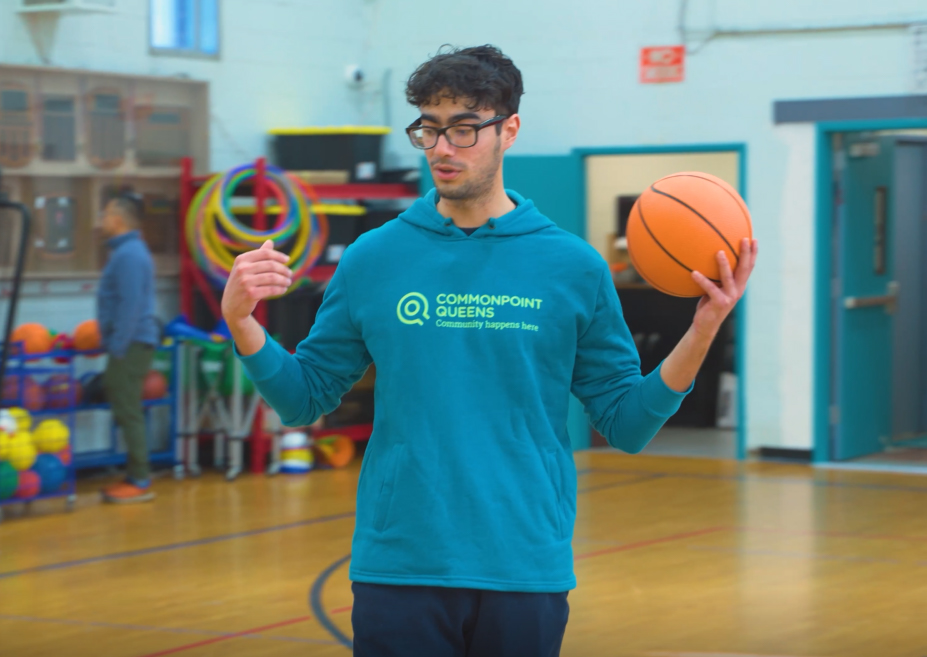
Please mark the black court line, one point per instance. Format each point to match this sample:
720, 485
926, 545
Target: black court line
315, 602
318, 586
167, 630
312, 521
185, 544
315, 596
175, 546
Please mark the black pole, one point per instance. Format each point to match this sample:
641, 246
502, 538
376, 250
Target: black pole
6, 204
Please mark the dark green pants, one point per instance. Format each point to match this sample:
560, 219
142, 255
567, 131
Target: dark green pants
123, 380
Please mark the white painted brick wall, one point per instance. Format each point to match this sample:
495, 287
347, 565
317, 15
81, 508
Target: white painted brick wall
579, 62
283, 63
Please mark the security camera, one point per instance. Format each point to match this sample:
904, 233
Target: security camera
354, 74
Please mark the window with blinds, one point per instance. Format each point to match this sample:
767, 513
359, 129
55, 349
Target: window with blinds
9, 235
107, 130
16, 126
59, 129
162, 135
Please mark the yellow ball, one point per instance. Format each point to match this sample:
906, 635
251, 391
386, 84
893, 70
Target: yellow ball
51, 436
22, 417
4, 445
22, 452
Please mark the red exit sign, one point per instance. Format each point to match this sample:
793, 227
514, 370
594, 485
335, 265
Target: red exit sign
662, 64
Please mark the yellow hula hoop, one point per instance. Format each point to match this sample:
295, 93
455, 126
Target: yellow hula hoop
215, 239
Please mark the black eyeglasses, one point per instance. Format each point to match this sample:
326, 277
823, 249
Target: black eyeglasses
459, 135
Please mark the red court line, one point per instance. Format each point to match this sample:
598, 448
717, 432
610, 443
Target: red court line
653, 541
206, 642
341, 610
824, 534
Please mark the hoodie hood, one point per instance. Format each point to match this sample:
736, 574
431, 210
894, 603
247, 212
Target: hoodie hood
524, 219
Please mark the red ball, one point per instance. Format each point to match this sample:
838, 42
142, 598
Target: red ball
64, 455
62, 342
23, 391
61, 391
33, 395
29, 485
155, 386
11, 388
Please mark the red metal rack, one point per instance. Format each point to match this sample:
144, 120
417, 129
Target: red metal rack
192, 278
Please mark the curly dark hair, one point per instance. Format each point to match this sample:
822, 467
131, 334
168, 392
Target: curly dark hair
481, 76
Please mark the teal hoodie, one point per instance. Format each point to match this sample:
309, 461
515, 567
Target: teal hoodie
468, 479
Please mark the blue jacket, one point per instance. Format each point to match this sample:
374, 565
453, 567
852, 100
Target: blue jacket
126, 297
468, 479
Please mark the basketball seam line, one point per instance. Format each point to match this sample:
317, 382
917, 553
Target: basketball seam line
740, 202
655, 286
702, 217
640, 211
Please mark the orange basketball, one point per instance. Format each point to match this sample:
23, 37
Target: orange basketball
36, 338
679, 224
338, 451
87, 336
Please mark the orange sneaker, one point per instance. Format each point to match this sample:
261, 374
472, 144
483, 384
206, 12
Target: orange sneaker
127, 493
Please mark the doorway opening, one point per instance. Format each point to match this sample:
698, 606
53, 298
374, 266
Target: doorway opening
878, 302
709, 422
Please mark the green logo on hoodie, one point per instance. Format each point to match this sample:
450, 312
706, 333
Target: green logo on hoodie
411, 307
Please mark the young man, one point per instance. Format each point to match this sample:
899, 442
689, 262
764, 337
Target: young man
481, 316
130, 331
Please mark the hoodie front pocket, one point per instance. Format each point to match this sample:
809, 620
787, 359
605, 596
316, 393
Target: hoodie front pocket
387, 487
556, 482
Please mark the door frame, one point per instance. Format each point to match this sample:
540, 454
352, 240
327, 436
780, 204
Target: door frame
824, 318
740, 311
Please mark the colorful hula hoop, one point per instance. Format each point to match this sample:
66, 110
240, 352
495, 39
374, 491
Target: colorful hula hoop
215, 236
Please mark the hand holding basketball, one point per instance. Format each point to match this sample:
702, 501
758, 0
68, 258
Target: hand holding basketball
256, 275
684, 232
719, 300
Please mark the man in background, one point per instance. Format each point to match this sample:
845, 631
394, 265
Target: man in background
130, 333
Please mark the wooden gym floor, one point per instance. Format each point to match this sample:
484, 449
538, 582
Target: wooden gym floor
675, 557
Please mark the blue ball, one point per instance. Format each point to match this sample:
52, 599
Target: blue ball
51, 472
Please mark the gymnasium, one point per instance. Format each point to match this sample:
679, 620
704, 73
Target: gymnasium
779, 509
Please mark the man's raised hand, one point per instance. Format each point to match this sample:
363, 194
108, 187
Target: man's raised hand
256, 275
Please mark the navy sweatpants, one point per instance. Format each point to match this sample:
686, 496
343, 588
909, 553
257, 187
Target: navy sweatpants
413, 621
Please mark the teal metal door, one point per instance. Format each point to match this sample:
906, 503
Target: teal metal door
909, 394
865, 298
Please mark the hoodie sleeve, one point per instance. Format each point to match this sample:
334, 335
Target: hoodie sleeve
311, 382
624, 406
